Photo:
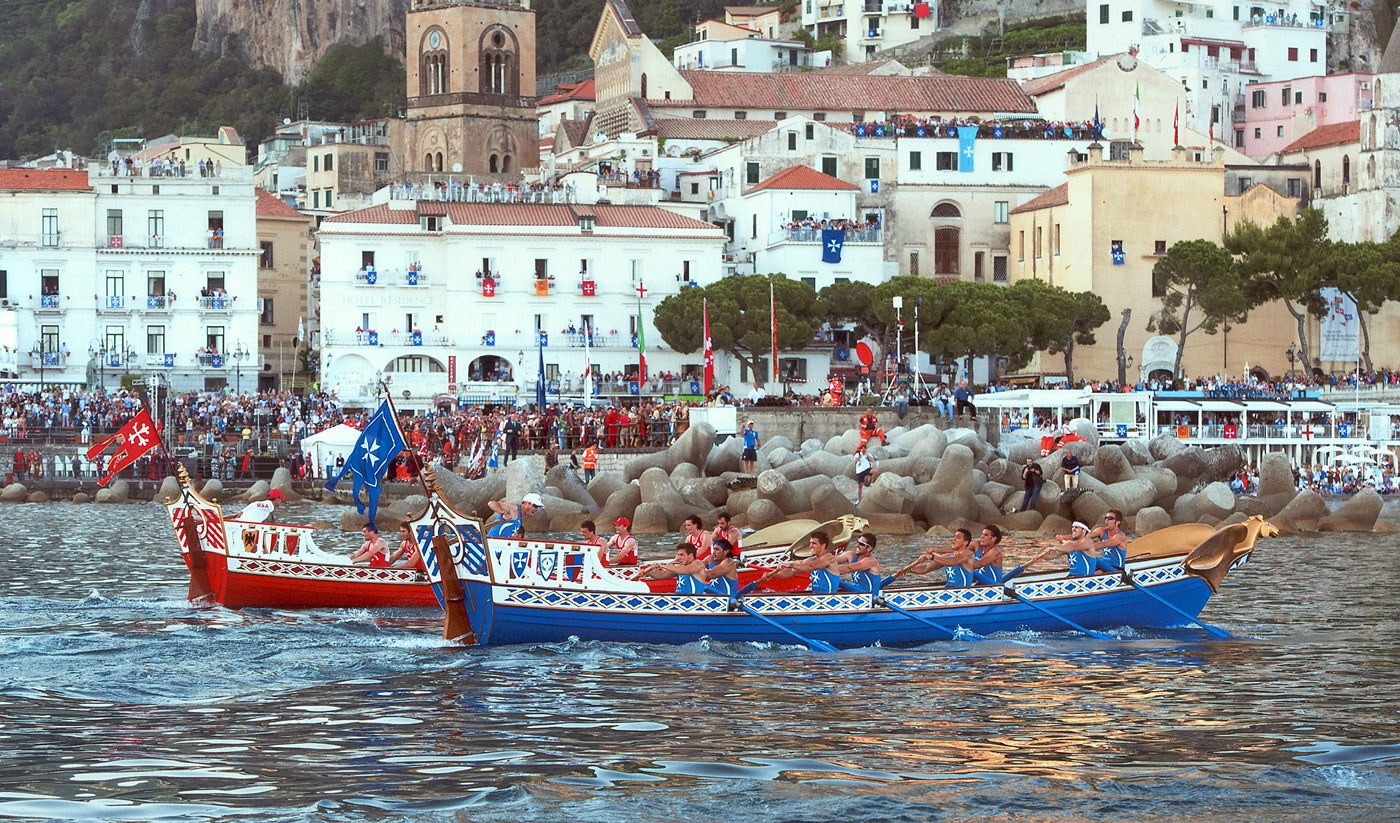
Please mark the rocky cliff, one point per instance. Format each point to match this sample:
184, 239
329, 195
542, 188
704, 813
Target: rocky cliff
291, 35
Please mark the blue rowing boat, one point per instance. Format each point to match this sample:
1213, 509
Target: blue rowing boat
502, 592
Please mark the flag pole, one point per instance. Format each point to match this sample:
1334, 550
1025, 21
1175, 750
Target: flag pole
773, 327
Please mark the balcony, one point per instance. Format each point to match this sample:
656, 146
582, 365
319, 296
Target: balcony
1287, 21
211, 361
367, 277
160, 361
414, 277
544, 286
216, 303
159, 302
588, 287
412, 339
49, 303
48, 359
813, 234
111, 304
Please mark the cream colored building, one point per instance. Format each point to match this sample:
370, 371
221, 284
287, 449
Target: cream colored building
286, 243
1068, 238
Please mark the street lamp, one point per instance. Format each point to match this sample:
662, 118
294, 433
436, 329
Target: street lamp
238, 353
97, 350
1292, 354
40, 353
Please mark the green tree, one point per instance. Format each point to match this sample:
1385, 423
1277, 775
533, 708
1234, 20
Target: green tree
739, 318
1059, 320
1201, 289
1288, 262
1370, 274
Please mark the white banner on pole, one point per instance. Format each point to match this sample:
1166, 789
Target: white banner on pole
1340, 338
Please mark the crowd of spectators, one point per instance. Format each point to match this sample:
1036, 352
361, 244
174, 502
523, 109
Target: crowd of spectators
452, 190
1026, 129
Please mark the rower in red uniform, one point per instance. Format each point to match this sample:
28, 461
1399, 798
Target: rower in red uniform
696, 536
870, 427
724, 530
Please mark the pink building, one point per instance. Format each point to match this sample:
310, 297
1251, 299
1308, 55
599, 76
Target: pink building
1270, 116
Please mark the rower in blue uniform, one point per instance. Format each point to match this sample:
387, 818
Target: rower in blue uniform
986, 558
1078, 547
686, 569
863, 568
1112, 543
721, 575
818, 565
513, 515
954, 561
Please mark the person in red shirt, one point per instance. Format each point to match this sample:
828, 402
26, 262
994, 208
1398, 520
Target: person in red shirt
870, 427
621, 550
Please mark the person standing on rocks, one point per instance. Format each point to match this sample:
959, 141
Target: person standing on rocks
590, 463
865, 467
512, 431
1034, 477
751, 444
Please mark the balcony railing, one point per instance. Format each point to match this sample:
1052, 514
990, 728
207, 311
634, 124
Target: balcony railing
414, 277
392, 338
112, 302
813, 234
159, 302
218, 302
212, 361
160, 361
48, 359
367, 277
1287, 21
50, 302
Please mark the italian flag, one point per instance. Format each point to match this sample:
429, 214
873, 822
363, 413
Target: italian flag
1137, 106
641, 345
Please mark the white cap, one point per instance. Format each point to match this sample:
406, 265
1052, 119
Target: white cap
1078, 525
534, 500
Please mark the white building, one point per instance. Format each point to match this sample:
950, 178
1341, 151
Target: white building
720, 46
105, 273
870, 26
449, 298
1215, 49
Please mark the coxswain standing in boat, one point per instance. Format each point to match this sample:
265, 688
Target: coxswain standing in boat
621, 548
696, 536
513, 515
721, 574
374, 550
260, 510
725, 530
818, 565
685, 568
863, 567
955, 560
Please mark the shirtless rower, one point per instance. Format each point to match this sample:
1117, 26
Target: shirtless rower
724, 529
863, 567
685, 568
721, 574
818, 565
374, 550
987, 558
696, 536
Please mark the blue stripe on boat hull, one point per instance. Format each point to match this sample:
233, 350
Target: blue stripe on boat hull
498, 624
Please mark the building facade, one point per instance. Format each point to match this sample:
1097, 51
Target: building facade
471, 87
286, 239
1278, 113
132, 273
868, 27
454, 298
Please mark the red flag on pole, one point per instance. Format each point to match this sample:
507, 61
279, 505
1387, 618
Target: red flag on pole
1176, 126
709, 352
137, 437
773, 322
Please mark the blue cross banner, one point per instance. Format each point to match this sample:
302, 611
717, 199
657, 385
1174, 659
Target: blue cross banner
369, 460
415, 339
1119, 257
967, 137
1122, 429
833, 241
412, 277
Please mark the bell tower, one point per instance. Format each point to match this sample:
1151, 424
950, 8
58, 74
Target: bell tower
471, 87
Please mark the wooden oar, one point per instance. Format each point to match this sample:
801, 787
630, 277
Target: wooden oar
888, 580
1214, 630
755, 584
1011, 592
953, 634
811, 643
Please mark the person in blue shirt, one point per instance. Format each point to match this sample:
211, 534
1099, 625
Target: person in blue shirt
751, 443
721, 574
962, 400
818, 565
513, 515
861, 565
686, 569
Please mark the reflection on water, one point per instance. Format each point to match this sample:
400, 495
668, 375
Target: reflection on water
118, 700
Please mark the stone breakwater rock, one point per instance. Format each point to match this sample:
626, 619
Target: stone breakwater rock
1215, 501
81, 497
777, 441
1112, 466
1302, 514
169, 490
764, 513
282, 481
622, 503
1137, 452
694, 446
470, 496
524, 476
1276, 476
570, 487
1163, 446
889, 494
1359, 514
604, 484
684, 472
37, 497
1151, 519
948, 496
14, 493
257, 491
212, 490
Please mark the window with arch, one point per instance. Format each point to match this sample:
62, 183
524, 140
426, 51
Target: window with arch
433, 65
1317, 176
1370, 171
946, 210
946, 251
500, 64
644, 85
437, 162
1346, 172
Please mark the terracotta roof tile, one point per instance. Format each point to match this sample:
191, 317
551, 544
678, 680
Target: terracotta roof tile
569, 91
576, 130
750, 11
1331, 135
1058, 196
526, 214
820, 91
44, 180
803, 177
270, 205
685, 128
1040, 85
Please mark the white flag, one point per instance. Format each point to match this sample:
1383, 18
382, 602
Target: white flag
587, 366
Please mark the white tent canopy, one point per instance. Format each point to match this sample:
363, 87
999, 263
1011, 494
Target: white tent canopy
324, 447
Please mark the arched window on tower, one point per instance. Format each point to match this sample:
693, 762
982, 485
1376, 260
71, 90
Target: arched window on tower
1346, 174
644, 85
499, 69
433, 66
947, 240
437, 166
1317, 177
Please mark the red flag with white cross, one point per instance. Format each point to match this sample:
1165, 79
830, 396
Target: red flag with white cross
137, 437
